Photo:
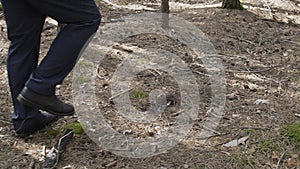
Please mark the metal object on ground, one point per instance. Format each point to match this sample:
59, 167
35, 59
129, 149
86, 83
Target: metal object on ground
52, 157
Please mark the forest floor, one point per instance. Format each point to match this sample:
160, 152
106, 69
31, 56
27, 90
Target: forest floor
260, 51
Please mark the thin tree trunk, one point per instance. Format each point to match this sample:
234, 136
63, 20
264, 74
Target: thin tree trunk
232, 4
165, 10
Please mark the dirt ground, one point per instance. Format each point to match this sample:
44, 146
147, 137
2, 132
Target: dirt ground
260, 51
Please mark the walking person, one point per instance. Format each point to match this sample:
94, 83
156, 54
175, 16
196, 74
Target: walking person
32, 85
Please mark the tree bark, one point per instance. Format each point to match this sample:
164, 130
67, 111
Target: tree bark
165, 6
165, 10
232, 4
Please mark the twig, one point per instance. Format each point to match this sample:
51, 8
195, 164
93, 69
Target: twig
294, 42
212, 130
250, 71
5, 121
32, 164
1, 136
245, 40
156, 71
177, 113
111, 164
255, 128
200, 73
83, 149
117, 95
279, 161
250, 164
255, 71
197, 64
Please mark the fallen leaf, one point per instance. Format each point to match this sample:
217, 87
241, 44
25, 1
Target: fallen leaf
292, 163
236, 142
275, 156
243, 140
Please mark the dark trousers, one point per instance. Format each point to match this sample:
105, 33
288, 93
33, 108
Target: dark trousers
25, 19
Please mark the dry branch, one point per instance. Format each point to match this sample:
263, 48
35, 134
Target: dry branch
279, 161
119, 94
244, 40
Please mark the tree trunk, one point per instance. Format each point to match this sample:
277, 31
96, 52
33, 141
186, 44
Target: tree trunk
165, 6
165, 10
232, 4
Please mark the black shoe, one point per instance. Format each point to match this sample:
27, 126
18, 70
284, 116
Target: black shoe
29, 126
50, 104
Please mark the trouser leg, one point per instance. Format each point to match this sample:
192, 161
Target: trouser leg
25, 19
82, 19
24, 25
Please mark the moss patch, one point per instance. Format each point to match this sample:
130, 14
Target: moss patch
84, 63
138, 95
292, 131
76, 127
82, 79
53, 132
267, 146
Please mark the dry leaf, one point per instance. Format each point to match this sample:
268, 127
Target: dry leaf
292, 163
275, 156
236, 142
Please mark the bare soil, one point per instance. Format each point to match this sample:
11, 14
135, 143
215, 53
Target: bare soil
261, 56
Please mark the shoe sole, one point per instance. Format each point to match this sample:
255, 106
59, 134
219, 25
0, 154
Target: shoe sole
25, 135
30, 103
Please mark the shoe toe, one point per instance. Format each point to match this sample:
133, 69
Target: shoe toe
48, 118
29, 126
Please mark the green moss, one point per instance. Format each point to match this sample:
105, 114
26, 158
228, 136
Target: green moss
250, 132
76, 127
138, 95
292, 131
82, 79
241, 7
84, 63
240, 158
52, 132
267, 146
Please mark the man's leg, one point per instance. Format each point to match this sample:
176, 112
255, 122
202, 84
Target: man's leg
24, 27
82, 18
